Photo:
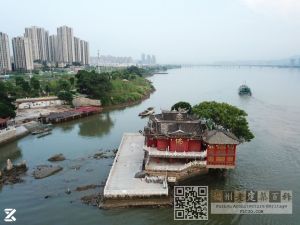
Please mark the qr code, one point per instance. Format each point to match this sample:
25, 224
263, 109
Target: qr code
190, 203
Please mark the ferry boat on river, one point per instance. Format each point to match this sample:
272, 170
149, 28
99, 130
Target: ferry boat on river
245, 90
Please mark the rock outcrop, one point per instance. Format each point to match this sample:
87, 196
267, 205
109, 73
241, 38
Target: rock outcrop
57, 157
43, 171
11, 174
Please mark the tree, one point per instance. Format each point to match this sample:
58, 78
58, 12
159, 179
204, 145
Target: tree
10, 88
53, 86
93, 84
182, 105
227, 116
19, 81
47, 89
7, 108
65, 96
24, 86
135, 70
35, 83
64, 85
72, 81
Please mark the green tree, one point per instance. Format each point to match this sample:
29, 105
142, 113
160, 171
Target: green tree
72, 81
93, 84
24, 87
227, 116
19, 81
47, 89
7, 108
10, 88
35, 83
64, 85
135, 70
53, 86
66, 96
182, 105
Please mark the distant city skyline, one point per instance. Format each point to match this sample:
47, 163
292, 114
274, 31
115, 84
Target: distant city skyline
175, 31
35, 45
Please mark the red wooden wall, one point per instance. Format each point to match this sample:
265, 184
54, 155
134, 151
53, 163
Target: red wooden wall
221, 156
179, 144
151, 142
194, 146
162, 144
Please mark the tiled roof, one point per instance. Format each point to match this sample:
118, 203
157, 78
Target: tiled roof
219, 137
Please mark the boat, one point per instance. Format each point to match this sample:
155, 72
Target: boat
44, 134
147, 112
244, 90
40, 131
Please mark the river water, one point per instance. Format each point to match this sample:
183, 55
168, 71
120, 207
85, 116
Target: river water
270, 162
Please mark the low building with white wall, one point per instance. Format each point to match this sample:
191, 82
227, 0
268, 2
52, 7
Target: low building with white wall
33, 103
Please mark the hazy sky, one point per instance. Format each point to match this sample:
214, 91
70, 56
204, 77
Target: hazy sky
176, 31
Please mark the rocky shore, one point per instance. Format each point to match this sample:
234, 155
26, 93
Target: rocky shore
12, 174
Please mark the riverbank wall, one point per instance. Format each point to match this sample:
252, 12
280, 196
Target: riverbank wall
12, 133
72, 114
151, 202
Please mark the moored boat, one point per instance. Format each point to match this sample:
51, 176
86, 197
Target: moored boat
44, 134
147, 112
40, 131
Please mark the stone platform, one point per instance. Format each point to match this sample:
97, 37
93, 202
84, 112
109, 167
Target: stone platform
121, 182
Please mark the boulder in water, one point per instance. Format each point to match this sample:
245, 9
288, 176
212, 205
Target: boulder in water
43, 171
57, 157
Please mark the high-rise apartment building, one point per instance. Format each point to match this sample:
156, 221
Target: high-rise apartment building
153, 59
53, 48
148, 60
77, 50
62, 48
22, 51
5, 64
85, 52
65, 43
39, 42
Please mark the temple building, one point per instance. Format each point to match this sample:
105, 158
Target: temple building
174, 146
177, 142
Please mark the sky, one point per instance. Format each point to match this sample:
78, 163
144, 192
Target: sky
176, 31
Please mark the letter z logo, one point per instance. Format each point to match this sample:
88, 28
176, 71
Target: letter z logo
9, 215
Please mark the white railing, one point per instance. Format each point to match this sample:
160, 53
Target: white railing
155, 152
135, 193
193, 163
173, 167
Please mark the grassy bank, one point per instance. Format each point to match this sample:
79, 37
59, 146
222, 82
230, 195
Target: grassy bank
129, 91
118, 88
